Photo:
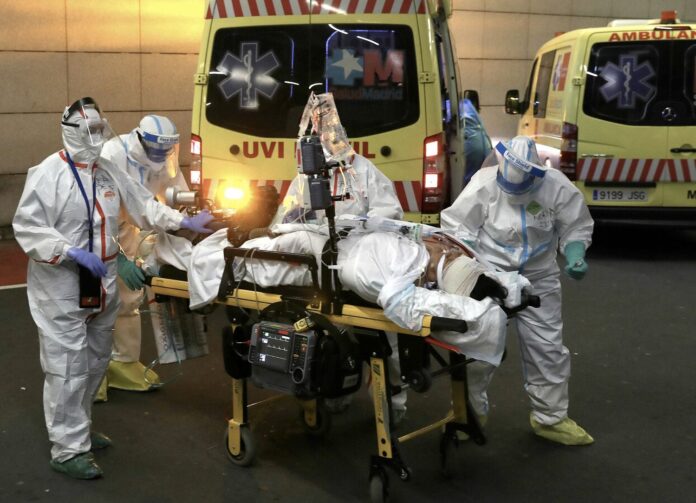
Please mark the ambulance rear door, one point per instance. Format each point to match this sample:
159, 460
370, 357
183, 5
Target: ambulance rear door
622, 129
259, 71
367, 54
680, 113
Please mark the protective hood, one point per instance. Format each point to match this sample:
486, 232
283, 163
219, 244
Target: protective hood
158, 138
519, 167
138, 159
84, 131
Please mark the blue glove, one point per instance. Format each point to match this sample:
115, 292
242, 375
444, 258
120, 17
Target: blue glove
575, 256
88, 260
130, 273
197, 223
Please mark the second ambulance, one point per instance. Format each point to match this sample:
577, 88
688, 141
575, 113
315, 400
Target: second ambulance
614, 108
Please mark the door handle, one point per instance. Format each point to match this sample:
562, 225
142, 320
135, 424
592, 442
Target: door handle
682, 150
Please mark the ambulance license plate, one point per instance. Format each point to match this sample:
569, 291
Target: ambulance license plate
626, 195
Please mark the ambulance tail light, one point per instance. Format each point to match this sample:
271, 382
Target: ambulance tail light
196, 162
433, 174
569, 150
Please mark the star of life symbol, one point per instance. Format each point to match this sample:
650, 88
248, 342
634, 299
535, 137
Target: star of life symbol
343, 67
248, 75
627, 81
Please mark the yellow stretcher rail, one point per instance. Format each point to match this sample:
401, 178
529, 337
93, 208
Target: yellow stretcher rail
239, 440
356, 316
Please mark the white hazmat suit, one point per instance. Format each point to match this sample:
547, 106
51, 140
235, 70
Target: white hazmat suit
518, 215
51, 219
127, 152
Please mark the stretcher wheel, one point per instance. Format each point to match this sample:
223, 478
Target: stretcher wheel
379, 487
419, 380
247, 452
323, 421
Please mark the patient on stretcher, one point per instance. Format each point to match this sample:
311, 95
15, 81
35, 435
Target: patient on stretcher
437, 276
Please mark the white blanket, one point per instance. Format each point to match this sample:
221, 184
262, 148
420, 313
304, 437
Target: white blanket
381, 267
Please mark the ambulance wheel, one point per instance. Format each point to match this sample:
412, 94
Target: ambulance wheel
379, 487
247, 451
323, 421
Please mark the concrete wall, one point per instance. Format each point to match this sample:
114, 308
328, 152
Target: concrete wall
139, 56
132, 56
497, 39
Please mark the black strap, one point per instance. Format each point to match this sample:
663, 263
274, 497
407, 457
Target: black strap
90, 211
79, 104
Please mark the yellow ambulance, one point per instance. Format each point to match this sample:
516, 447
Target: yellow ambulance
390, 65
614, 108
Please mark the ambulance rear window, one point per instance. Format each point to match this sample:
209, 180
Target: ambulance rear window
642, 83
260, 77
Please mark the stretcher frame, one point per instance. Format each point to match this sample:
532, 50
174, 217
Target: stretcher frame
239, 440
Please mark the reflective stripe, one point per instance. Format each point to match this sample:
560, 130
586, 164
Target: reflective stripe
593, 169
407, 191
255, 8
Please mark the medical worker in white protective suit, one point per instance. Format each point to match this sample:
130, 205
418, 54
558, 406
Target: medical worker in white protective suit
67, 222
518, 214
364, 191
149, 155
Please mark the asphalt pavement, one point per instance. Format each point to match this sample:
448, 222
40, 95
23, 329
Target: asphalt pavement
629, 326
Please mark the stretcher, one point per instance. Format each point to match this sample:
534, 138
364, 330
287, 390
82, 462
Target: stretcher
323, 305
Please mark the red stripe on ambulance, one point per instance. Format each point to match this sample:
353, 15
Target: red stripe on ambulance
409, 192
637, 170
220, 11
254, 8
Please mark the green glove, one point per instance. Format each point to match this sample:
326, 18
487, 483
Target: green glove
130, 273
575, 256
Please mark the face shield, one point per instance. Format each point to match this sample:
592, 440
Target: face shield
519, 167
159, 138
84, 130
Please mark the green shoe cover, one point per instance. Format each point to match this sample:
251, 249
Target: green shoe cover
81, 466
99, 441
566, 432
130, 376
